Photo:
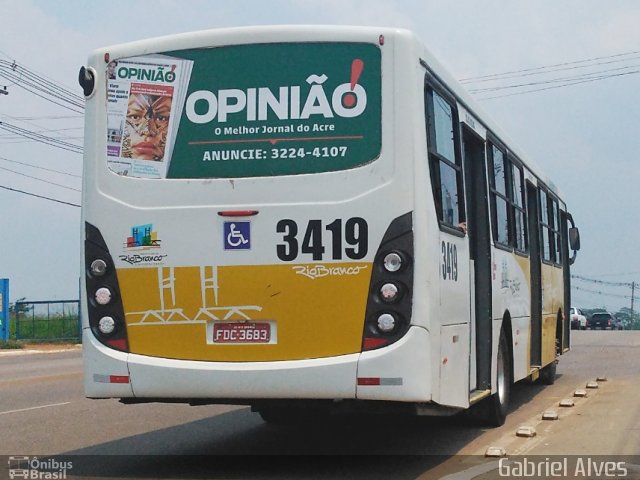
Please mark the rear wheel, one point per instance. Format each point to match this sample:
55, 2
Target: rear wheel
548, 374
493, 410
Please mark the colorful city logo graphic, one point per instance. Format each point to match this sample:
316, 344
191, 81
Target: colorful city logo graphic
237, 235
143, 237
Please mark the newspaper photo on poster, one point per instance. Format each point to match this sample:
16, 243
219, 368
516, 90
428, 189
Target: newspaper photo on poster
145, 99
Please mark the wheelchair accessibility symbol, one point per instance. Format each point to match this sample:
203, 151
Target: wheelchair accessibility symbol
237, 235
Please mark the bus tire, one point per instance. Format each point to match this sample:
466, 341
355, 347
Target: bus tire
496, 406
548, 374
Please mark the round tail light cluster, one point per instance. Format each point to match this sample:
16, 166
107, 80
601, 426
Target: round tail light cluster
390, 292
104, 305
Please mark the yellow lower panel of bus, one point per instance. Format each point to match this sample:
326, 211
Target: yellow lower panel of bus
313, 311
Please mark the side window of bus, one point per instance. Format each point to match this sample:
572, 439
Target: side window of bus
499, 195
444, 159
520, 216
554, 231
508, 215
545, 231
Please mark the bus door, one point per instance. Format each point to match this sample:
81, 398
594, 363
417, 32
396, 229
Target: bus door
536, 275
443, 130
480, 256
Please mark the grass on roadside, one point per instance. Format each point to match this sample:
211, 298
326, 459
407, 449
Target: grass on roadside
10, 345
39, 328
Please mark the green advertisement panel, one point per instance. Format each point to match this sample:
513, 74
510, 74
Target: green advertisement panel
278, 109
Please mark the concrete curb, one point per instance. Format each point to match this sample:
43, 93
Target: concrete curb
35, 351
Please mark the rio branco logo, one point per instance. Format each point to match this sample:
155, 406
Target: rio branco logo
36, 469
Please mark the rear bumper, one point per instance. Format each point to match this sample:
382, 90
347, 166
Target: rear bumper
324, 378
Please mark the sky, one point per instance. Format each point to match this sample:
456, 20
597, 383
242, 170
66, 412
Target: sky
584, 136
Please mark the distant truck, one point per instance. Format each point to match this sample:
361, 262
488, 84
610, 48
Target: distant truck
605, 320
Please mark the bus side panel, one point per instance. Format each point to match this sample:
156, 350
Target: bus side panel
512, 298
454, 365
521, 318
552, 303
403, 369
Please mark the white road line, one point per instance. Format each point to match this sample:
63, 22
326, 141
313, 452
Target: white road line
34, 408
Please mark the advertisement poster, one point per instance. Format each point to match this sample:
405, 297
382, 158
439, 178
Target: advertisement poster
145, 98
246, 111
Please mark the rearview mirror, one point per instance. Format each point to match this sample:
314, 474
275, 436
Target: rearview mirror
574, 238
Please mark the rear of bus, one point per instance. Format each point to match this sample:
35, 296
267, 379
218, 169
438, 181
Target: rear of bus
247, 214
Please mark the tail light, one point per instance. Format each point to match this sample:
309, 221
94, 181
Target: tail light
389, 303
104, 304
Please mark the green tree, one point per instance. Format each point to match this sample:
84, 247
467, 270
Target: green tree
22, 308
630, 322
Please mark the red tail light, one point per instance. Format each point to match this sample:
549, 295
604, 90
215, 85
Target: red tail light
389, 305
104, 304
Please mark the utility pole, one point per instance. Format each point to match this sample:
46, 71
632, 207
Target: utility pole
4, 91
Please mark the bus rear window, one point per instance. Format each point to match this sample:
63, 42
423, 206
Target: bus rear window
244, 111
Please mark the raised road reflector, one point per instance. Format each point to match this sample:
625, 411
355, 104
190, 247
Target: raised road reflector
580, 393
592, 385
567, 402
601, 379
550, 415
526, 431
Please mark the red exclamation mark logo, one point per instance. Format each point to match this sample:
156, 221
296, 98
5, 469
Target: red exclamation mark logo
349, 100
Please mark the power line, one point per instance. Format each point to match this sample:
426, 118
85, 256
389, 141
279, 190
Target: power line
39, 196
508, 77
618, 274
40, 179
597, 292
560, 86
48, 117
66, 87
51, 141
601, 282
545, 67
21, 72
585, 76
40, 168
34, 83
558, 82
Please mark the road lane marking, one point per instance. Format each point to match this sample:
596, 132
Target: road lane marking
42, 378
34, 408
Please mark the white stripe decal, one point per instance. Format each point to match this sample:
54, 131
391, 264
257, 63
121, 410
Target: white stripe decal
391, 381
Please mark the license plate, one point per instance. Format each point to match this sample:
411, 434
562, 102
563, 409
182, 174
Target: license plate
241, 332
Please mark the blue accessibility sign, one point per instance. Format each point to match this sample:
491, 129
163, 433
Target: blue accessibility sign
237, 235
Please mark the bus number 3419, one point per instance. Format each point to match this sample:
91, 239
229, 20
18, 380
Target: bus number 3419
449, 261
355, 234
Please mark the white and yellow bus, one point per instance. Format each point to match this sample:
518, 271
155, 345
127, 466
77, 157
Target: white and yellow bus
308, 218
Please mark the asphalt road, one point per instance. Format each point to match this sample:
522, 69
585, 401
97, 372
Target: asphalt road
43, 412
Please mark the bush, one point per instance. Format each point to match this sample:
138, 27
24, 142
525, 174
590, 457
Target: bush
10, 345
